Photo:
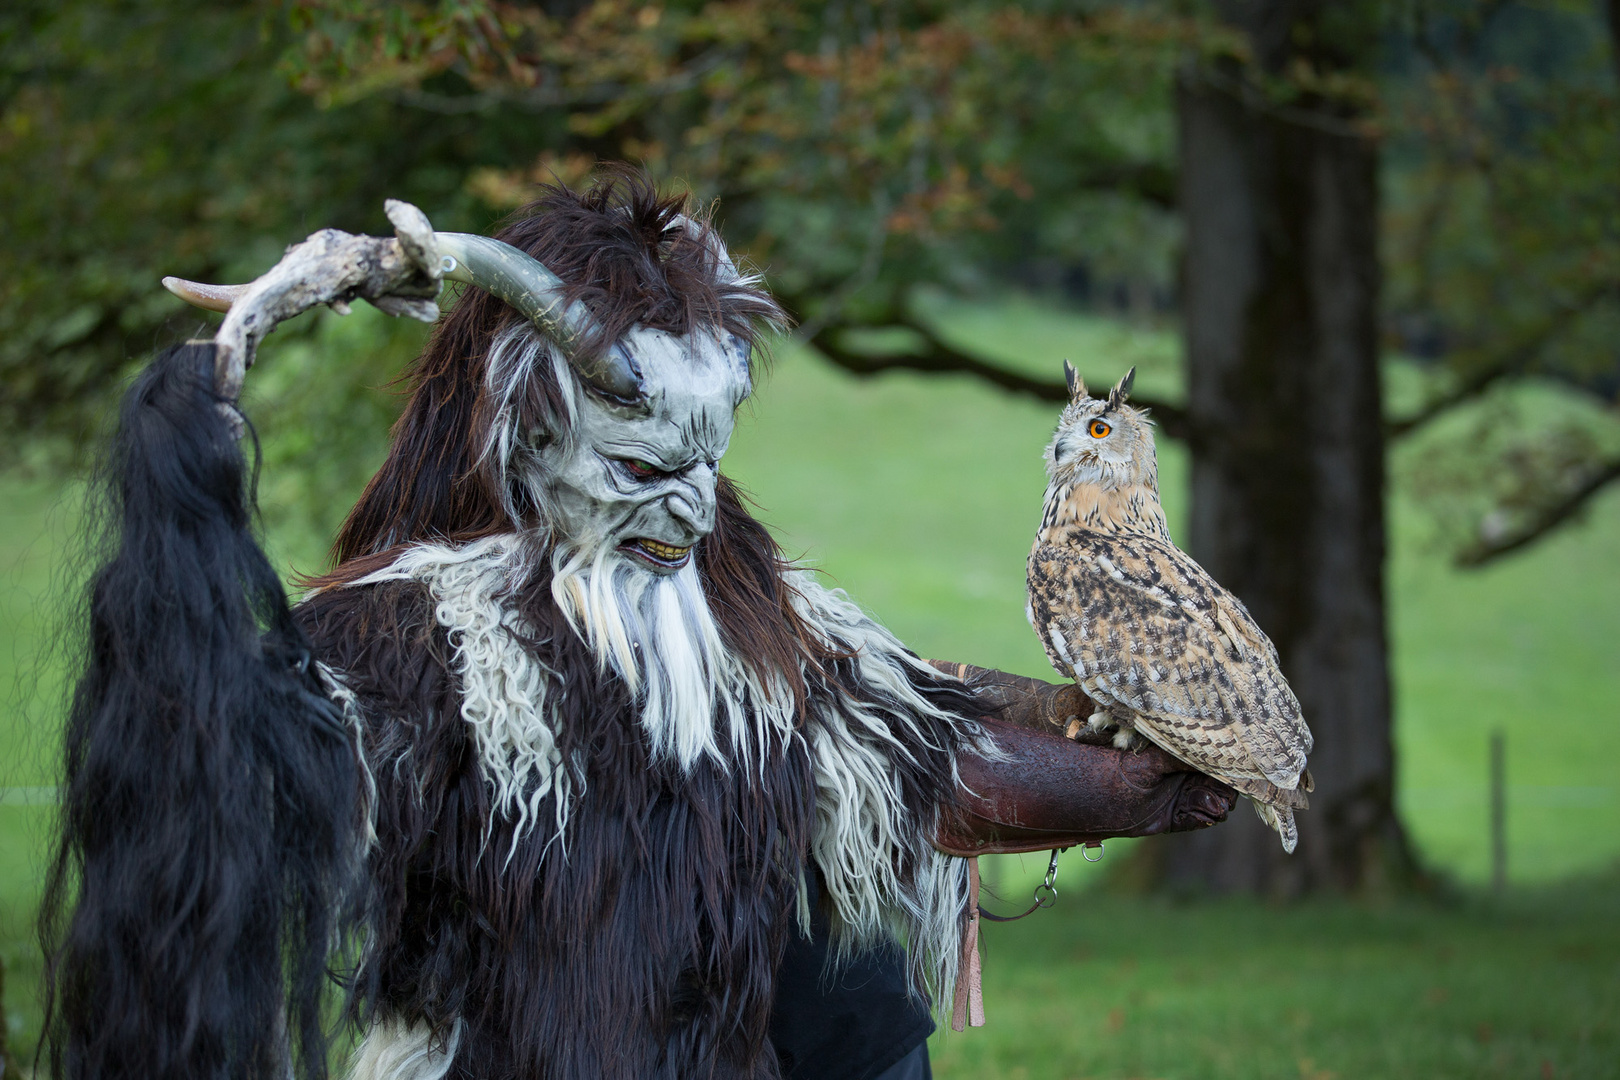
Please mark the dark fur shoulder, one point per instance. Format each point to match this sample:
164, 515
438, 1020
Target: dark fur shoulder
385, 646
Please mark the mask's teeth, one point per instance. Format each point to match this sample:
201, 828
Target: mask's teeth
666, 552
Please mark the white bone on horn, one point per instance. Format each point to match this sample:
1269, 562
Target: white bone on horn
328, 266
209, 297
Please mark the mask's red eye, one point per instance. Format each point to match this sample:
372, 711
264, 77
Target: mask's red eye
1098, 429
642, 469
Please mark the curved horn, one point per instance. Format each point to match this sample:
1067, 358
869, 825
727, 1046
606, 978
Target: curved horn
208, 297
523, 281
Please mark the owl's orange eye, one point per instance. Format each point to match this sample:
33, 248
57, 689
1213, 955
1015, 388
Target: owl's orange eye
1098, 429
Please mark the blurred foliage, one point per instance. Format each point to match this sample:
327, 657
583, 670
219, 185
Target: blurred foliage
321, 438
861, 153
1502, 255
156, 137
857, 149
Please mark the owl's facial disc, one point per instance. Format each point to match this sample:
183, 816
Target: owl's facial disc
1094, 444
641, 479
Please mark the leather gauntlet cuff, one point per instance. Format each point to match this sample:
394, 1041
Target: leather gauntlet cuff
1029, 703
1045, 791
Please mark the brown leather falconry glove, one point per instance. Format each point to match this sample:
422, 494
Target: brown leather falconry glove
1030, 703
1048, 791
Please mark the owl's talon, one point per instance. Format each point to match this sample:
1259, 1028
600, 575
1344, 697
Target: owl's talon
1073, 730
1099, 720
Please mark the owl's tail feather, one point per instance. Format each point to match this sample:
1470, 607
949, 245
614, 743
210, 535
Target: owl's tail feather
1276, 805
1280, 818
1264, 791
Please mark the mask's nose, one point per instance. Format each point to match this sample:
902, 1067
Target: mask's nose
692, 504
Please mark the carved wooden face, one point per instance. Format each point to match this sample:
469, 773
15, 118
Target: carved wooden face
642, 477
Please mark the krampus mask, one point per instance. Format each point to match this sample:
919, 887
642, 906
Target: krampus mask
622, 453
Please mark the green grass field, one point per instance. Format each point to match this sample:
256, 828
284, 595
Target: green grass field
1103, 986
920, 497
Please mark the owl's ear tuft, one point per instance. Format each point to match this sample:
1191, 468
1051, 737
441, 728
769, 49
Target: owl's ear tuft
1077, 385
1122, 389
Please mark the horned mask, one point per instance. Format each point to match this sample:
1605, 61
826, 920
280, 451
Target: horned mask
634, 463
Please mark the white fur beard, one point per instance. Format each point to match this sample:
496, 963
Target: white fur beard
395, 1050
656, 633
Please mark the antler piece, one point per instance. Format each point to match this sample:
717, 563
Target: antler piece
415, 235
209, 297
400, 275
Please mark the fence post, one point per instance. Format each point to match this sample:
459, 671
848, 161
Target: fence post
8, 1061
1498, 813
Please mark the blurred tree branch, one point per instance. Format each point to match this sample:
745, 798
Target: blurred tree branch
1502, 234
1612, 11
1153, 182
1484, 372
933, 355
1489, 548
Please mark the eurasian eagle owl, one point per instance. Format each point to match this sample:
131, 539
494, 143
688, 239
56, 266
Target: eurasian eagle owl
1163, 650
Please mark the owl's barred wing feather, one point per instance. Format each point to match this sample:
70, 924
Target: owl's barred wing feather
1139, 624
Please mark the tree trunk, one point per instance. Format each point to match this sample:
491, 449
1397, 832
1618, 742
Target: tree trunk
1611, 12
1280, 298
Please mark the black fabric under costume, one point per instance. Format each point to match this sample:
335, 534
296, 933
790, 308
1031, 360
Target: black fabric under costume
652, 949
845, 1023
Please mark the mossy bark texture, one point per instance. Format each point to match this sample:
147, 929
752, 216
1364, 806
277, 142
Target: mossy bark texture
1281, 283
